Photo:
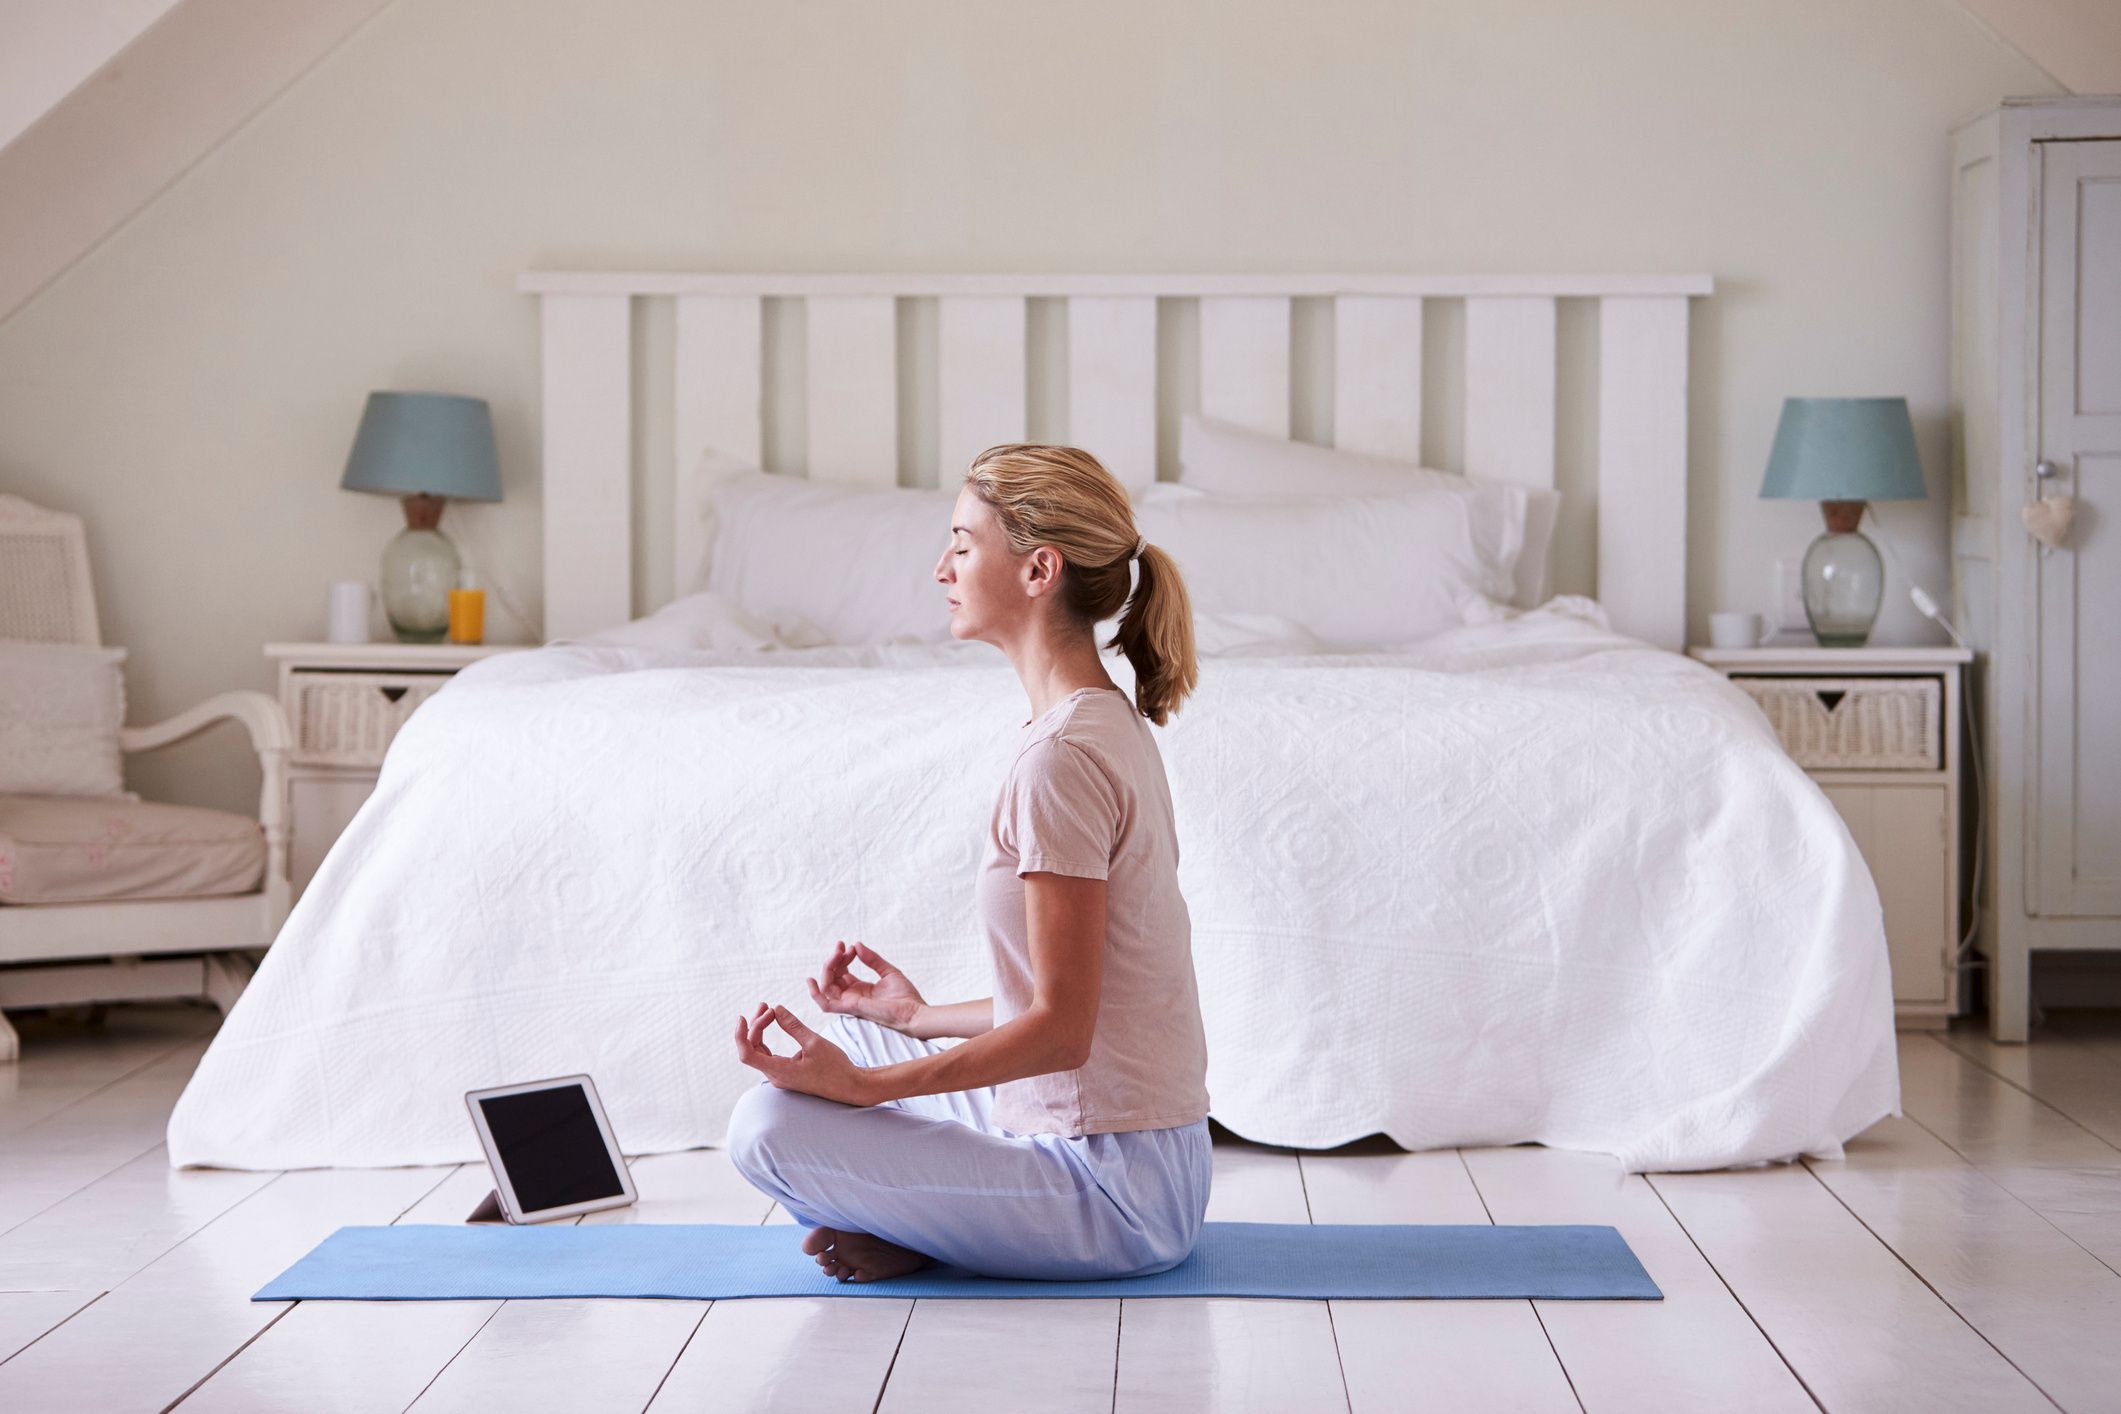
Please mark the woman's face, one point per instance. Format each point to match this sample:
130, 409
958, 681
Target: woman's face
980, 577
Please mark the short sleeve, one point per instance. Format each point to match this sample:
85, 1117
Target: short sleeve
1062, 814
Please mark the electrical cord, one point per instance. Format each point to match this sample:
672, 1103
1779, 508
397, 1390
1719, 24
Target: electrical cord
485, 563
1927, 606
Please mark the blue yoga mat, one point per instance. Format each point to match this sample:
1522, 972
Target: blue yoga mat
711, 1261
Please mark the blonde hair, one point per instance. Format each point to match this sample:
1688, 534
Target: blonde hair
1064, 497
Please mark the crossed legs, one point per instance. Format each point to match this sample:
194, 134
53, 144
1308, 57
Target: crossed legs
927, 1177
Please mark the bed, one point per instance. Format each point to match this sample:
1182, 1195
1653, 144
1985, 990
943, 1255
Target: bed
1533, 878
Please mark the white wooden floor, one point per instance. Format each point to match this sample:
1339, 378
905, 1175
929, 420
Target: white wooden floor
1967, 1256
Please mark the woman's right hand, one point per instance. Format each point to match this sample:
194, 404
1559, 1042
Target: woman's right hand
891, 1000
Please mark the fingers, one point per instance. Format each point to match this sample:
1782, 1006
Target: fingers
749, 1048
875, 959
836, 965
835, 979
751, 1032
793, 1025
760, 1019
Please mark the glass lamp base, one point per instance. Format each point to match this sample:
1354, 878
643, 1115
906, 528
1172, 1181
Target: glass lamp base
420, 567
1844, 582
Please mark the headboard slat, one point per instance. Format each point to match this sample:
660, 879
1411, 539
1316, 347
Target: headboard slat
1112, 383
1244, 361
718, 393
1510, 364
1377, 375
587, 387
981, 384
1642, 465
851, 392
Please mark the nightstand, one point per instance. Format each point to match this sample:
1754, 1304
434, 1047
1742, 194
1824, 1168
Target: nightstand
345, 702
1878, 729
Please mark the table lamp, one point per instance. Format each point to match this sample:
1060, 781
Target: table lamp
424, 448
1842, 452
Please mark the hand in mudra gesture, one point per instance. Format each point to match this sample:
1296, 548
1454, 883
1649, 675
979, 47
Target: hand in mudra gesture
891, 1000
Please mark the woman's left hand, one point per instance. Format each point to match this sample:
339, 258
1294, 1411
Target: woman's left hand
817, 1068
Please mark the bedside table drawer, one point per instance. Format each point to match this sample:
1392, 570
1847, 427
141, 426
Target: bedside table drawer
1854, 724
348, 719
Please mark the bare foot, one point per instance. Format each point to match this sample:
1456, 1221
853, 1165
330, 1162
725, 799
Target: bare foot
861, 1256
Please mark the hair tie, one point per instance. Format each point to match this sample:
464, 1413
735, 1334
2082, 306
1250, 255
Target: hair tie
1140, 545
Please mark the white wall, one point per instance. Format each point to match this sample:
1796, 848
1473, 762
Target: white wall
192, 386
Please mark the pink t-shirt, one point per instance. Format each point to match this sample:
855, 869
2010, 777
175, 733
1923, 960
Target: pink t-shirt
1086, 795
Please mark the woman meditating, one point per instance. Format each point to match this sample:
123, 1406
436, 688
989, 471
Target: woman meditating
1066, 1134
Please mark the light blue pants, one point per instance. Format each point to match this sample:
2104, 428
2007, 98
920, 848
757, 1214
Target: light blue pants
935, 1173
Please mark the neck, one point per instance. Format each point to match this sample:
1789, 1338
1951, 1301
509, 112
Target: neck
1053, 662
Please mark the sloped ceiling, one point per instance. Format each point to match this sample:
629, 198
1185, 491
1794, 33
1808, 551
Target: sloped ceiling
106, 104
2078, 42
102, 149
48, 48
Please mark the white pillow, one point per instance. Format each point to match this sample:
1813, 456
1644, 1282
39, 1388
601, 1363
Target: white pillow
822, 562
1356, 572
689, 623
1233, 635
1231, 461
61, 705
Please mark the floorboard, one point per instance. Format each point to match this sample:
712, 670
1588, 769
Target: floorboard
1859, 1328
69, 1061
978, 1356
2076, 1079
2057, 1167
102, 1234
2044, 1303
760, 1353
152, 1339
588, 1357
1230, 1353
1471, 1354
26, 1315
356, 1357
66, 1151
1697, 1349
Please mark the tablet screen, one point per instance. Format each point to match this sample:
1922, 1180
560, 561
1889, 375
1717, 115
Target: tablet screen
551, 1147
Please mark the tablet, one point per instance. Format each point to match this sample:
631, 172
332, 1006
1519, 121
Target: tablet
550, 1148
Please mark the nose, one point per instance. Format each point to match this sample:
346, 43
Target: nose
942, 568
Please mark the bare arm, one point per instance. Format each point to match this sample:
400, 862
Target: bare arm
1067, 927
931, 1022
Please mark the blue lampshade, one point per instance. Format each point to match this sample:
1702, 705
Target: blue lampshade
437, 443
1844, 449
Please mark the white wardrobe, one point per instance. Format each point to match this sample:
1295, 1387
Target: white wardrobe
2036, 417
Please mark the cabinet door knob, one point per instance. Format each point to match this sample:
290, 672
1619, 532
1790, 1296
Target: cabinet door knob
2044, 469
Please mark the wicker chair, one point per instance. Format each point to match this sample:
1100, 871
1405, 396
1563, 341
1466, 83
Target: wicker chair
130, 948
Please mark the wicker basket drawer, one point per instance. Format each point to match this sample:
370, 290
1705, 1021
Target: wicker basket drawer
1855, 724
348, 719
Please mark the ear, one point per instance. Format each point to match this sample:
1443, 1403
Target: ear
1045, 567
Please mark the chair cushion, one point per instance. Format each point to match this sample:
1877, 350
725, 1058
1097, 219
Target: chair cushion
61, 705
76, 849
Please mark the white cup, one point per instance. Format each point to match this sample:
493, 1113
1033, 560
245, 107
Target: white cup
1736, 630
347, 618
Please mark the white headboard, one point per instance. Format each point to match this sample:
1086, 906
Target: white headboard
855, 383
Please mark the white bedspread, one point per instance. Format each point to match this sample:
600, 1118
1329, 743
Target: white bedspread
1535, 881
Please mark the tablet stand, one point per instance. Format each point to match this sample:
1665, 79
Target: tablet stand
488, 1211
